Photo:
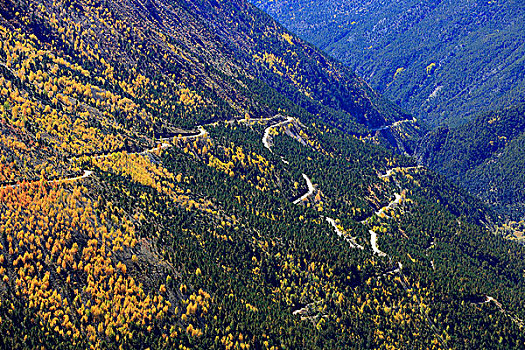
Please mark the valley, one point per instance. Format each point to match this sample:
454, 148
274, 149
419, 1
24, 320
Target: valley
192, 175
443, 61
454, 66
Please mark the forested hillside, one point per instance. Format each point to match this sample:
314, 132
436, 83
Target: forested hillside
485, 156
190, 175
442, 60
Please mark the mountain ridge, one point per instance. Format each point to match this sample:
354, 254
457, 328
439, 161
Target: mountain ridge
184, 197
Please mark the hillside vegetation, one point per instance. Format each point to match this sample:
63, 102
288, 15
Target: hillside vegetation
188, 174
485, 156
444, 61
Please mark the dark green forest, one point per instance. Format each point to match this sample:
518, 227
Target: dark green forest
485, 156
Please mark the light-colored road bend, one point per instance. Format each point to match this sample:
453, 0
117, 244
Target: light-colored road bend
311, 190
350, 240
390, 172
266, 138
373, 243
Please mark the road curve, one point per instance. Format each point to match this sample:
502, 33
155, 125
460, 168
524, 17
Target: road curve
373, 243
87, 173
266, 137
202, 132
350, 240
311, 190
390, 172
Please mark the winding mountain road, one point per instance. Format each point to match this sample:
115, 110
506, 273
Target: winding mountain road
165, 144
266, 140
373, 235
311, 189
404, 282
88, 173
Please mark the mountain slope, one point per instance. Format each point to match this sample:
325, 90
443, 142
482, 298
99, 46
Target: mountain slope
255, 47
485, 156
443, 61
162, 193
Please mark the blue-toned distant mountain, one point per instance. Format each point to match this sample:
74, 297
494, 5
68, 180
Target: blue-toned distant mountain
442, 60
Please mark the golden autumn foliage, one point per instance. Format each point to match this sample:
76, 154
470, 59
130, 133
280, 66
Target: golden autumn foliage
54, 234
